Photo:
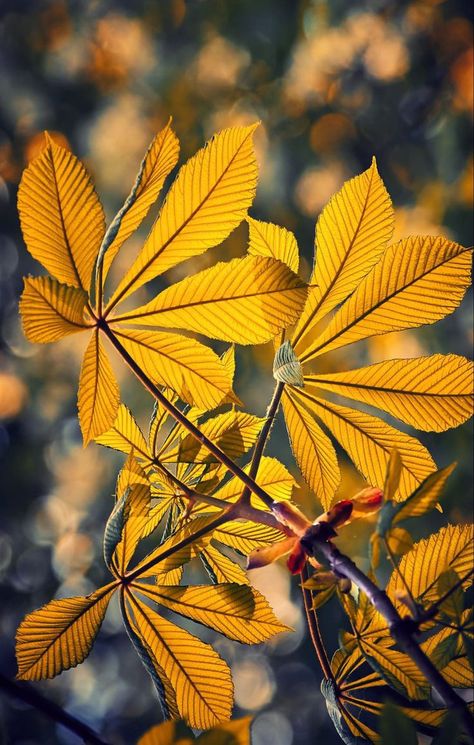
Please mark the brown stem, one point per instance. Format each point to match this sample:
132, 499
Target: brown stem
314, 630
262, 439
33, 698
183, 420
401, 629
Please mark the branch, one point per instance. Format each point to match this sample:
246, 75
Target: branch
314, 630
402, 630
262, 439
33, 698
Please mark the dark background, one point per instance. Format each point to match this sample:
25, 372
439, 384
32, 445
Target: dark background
333, 84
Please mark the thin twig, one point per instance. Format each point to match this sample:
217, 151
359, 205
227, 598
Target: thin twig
262, 439
30, 696
314, 630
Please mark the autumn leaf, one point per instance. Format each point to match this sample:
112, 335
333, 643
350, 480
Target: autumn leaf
60, 634
51, 310
199, 676
266, 239
207, 201
98, 396
61, 217
245, 301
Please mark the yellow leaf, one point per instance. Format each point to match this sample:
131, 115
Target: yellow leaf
430, 393
199, 676
61, 217
425, 497
222, 569
173, 556
235, 732
266, 239
135, 526
237, 611
246, 301
160, 159
313, 450
50, 310
194, 371
159, 417
272, 476
125, 435
369, 441
449, 548
60, 634
98, 397
397, 666
418, 281
209, 198
399, 541
351, 233
162, 734
234, 432
245, 536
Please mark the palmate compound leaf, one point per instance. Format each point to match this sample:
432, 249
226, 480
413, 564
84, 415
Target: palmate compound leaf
61, 217
357, 695
191, 369
430, 393
369, 441
200, 677
237, 611
60, 634
98, 396
418, 281
209, 198
160, 159
266, 239
51, 310
246, 301
351, 233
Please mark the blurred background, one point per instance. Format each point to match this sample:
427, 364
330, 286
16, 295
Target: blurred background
333, 83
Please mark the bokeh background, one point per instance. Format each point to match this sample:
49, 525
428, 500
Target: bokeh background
333, 84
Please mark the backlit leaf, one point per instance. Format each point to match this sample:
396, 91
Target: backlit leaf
245, 536
200, 678
163, 687
369, 442
234, 432
194, 371
60, 634
98, 397
266, 239
418, 281
125, 434
351, 233
246, 301
160, 159
430, 393
221, 568
50, 310
425, 498
61, 217
313, 450
449, 548
237, 611
209, 198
